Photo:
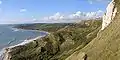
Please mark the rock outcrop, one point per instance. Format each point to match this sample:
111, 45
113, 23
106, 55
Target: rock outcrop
109, 15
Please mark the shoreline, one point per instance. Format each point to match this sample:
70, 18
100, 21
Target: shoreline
28, 30
24, 42
3, 51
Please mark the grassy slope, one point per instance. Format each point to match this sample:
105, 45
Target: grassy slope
60, 44
49, 27
106, 46
79, 37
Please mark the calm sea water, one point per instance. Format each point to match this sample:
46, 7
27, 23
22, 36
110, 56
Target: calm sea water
10, 36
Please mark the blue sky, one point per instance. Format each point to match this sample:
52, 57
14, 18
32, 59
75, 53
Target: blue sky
28, 11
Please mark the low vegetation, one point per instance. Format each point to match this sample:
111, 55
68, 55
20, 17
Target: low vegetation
106, 46
60, 44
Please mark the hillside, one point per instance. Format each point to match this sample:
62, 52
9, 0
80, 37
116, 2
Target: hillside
57, 45
87, 40
106, 46
49, 27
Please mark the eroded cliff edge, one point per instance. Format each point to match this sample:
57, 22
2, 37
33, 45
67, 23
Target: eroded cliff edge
57, 45
109, 15
106, 46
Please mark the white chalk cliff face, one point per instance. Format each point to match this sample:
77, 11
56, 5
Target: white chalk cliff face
109, 15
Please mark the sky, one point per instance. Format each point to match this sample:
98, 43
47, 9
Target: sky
50, 11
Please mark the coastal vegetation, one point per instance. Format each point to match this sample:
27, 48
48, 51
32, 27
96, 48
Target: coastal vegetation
86, 40
59, 44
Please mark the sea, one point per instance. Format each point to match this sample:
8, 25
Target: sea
11, 36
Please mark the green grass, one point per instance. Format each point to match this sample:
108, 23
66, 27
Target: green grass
49, 27
60, 44
106, 46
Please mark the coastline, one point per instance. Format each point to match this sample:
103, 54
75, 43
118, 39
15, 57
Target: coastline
17, 29
55, 45
26, 41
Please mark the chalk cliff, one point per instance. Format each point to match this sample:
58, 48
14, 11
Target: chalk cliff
106, 46
109, 15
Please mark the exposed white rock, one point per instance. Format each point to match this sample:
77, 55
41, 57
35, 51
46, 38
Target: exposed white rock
110, 14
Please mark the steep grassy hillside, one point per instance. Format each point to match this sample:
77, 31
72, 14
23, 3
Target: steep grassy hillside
57, 45
106, 46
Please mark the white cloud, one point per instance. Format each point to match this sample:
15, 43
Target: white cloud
92, 1
77, 15
58, 17
87, 15
33, 18
0, 2
23, 10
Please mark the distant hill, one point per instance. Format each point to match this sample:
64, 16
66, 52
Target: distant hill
49, 27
